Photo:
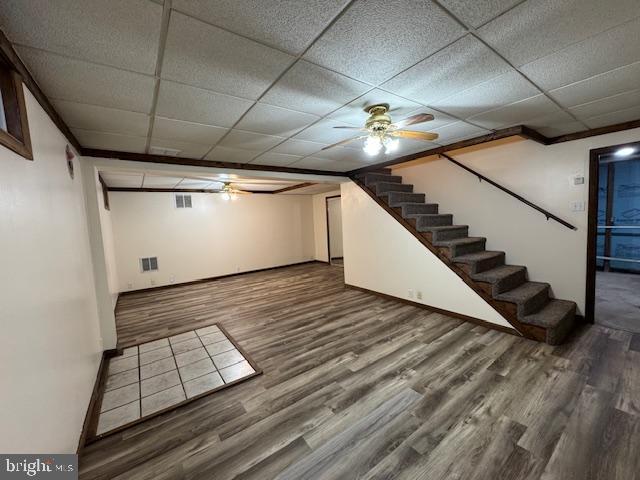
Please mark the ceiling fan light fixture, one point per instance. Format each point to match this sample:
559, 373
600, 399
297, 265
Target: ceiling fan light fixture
372, 145
226, 197
391, 145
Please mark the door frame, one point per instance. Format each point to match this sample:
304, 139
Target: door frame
592, 225
326, 214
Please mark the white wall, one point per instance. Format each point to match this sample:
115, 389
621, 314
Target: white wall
542, 174
50, 344
381, 255
320, 224
215, 237
335, 227
108, 245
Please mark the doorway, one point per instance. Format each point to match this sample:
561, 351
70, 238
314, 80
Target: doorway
613, 264
334, 230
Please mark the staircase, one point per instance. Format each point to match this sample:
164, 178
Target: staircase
528, 306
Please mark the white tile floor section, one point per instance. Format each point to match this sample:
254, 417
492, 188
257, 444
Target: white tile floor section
156, 375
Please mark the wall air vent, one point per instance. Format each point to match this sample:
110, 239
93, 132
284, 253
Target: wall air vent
149, 264
183, 201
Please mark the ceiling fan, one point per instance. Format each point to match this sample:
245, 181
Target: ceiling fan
382, 133
229, 192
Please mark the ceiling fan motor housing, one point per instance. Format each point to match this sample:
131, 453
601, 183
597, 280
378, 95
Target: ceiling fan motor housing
378, 117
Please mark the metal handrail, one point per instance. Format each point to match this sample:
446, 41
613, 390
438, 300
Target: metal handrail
481, 177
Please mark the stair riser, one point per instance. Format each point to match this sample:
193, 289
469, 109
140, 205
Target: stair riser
435, 221
439, 236
372, 178
555, 336
512, 281
457, 250
424, 209
382, 187
394, 199
482, 265
535, 303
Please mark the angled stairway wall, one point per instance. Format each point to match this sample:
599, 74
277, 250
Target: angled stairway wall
381, 255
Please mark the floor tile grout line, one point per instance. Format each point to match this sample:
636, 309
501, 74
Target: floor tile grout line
178, 370
139, 385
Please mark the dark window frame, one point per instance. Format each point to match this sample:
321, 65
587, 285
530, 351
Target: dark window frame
17, 136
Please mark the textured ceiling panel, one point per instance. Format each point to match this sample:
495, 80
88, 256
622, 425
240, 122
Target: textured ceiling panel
344, 154
606, 105
187, 132
458, 131
234, 155
563, 128
325, 164
122, 33
189, 183
127, 180
313, 89
606, 51
603, 85
110, 141
192, 104
67, 79
279, 159
272, 120
92, 117
184, 149
626, 115
476, 13
324, 132
255, 142
460, 66
284, 24
204, 56
354, 114
537, 28
516, 113
313, 189
375, 29
298, 147
507, 88
153, 181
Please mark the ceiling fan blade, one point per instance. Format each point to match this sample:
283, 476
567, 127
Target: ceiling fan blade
426, 136
344, 142
345, 127
413, 120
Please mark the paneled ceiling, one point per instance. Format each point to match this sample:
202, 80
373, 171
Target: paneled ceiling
264, 82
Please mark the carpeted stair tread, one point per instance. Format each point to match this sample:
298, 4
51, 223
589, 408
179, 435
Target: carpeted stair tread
478, 256
523, 293
382, 188
551, 314
441, 228
371, 179
418, 208
433, 220
394, 199
459, 241
496, 274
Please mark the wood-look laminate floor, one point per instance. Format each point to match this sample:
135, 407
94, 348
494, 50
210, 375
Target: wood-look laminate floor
359, 387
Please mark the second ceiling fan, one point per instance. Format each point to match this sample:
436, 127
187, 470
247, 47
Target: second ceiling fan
382, 133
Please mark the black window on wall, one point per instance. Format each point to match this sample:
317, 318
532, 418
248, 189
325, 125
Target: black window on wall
14, 127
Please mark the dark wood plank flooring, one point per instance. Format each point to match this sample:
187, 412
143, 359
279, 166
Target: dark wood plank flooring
359, 387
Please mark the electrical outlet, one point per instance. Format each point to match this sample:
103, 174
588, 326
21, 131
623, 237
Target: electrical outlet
237, 269
129, 285
152, 281
172, 279
410, 293
419, 295
578, 206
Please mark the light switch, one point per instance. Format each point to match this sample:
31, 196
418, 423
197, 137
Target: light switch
578, 206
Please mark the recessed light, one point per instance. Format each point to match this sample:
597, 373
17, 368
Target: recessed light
625, 152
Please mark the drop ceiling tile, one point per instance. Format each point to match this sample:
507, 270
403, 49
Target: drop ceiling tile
256, 142
516, 113
298, 147
315, 163
153, 181
233, 155
598, 54
188, 132
611, 104
110, 141
313, 89
455, 132
440, 119
497, 92
184, 149
615, 81
456, 68
192, 104
353, 113
64, 78
123, 180
102, 119
121, 33
272, 120
478, 12
208, 57
558, 129
376, 39
626, 115
534, 29
275, 159
190, 183
343, 154
287, 25
408, 147
324, 132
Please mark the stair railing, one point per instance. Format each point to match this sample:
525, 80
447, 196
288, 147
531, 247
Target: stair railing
546, 213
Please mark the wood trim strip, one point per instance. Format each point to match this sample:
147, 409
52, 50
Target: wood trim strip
195, 162
529, 331
618, 127
178, 190
210, 279
294, 187
91, 417
105, 192
442, 311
